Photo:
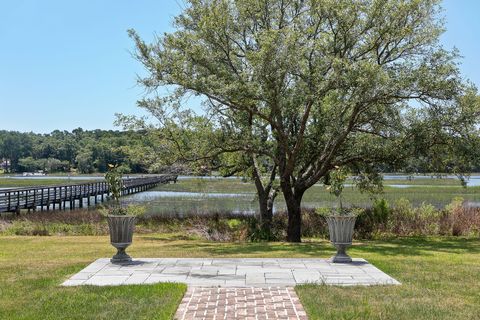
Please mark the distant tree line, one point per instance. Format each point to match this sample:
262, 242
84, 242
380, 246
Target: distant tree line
81, 150
154, 151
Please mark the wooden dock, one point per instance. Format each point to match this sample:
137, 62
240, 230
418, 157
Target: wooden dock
60, 197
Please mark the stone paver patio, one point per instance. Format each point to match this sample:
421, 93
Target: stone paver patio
234, 288
253, 272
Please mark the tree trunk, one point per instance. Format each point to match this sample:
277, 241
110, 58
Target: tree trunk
293, 201
265, 202
294, 228
266, 197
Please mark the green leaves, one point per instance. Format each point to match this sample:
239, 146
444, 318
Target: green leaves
336, 181
114, 181
311, 85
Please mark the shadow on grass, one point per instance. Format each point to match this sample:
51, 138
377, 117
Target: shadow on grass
411, 246
169, 237
278, 249
416, 246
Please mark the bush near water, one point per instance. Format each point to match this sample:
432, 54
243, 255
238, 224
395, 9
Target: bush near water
381, 220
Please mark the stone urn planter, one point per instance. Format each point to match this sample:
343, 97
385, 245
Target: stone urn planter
121, 233
340, 228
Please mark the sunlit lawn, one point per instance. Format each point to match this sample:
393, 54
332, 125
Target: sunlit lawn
440, 280
440, 276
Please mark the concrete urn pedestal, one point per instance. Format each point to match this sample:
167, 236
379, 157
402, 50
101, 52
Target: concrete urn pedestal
340, 228
121, 234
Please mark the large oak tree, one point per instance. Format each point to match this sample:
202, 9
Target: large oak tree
323, 83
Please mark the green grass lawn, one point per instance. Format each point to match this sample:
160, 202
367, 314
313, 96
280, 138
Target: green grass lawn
32, 268
440, 280
440, 276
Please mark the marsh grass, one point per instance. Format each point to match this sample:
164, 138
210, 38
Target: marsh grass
13, 183
438, 192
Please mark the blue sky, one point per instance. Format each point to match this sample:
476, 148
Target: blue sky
67, 64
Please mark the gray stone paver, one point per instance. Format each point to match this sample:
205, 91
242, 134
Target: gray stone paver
244, 272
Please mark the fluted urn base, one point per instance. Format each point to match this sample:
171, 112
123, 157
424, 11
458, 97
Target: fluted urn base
121, 234
341, 256
121, 255
341, 234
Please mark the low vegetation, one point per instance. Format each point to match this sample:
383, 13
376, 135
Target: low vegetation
382, 220
438, 192
13, 182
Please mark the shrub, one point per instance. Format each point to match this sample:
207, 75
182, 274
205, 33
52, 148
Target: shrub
404, 220
458, 220
314, 223
255, 234
20, 228
427, 219
400, 219
381, 211
372, 220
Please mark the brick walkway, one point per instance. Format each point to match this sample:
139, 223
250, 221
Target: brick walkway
240, 303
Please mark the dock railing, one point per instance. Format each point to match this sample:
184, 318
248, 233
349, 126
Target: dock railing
57, 197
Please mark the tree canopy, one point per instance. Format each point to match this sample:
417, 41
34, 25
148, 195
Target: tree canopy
312, 85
